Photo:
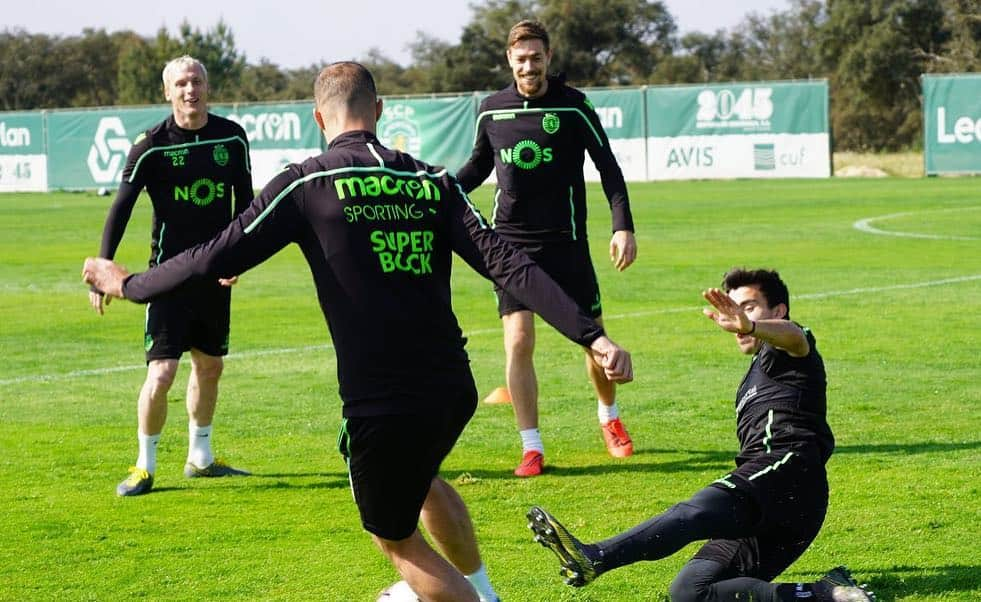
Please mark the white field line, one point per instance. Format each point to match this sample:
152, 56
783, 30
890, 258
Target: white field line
865, 225
264, 352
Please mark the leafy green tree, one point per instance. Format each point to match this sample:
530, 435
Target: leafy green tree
781, 45
477, 61
698, 59
90, 62
608, 42
141, 63
962, 51
265, 81
216, 49
595, 42
29, 71
876, 52
300, 85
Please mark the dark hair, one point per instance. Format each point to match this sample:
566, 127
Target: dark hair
347, 82
528, 30
768, 281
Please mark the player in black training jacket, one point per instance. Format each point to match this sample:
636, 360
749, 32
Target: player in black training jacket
763, 515
535, 133
195, 167
377, 228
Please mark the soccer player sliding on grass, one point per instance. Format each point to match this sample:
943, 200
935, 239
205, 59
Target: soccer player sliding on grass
763, 515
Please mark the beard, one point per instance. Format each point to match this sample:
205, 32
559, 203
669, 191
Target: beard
531, 87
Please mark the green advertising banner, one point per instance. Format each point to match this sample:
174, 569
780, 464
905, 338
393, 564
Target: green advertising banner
621, 114
952, 123
21, 134
279, 134
759, 129
738, 108
437, 130
739, 130
274, 126
23, 164
87, 149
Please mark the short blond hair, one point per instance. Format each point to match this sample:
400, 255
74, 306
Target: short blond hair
181, 62
347, 83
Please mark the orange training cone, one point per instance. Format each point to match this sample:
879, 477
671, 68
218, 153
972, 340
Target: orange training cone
498, 395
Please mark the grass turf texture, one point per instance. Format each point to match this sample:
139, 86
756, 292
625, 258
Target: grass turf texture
903, 395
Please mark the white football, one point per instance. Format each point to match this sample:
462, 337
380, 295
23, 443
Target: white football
398, 592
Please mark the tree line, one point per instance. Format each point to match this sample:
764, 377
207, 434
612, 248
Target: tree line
871, 51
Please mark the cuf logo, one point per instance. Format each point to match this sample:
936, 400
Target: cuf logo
108, 151
526, 154
550, 123
220, 155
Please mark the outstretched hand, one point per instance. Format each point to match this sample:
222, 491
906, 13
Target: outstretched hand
614, 360
106, 276
729, 315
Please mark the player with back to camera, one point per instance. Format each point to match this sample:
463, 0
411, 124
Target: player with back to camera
762, 516
383, 281
535, 134
195, 167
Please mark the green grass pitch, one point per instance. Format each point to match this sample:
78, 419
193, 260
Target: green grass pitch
895, 308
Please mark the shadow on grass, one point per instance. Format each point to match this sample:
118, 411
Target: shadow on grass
890, 583
926, 447
921, 447
293, 475
325, 480
717, 460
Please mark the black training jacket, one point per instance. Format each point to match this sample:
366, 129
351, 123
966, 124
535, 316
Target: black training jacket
198, 180
781, 404
537, 147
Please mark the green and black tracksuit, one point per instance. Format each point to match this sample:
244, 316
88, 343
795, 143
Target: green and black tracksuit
198, 181
537, 147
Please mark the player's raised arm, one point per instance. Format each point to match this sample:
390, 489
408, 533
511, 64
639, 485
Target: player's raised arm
265, 227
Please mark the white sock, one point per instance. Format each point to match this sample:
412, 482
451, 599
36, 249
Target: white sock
481, 583
605, 412
147, 460
199, 445
531, 439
